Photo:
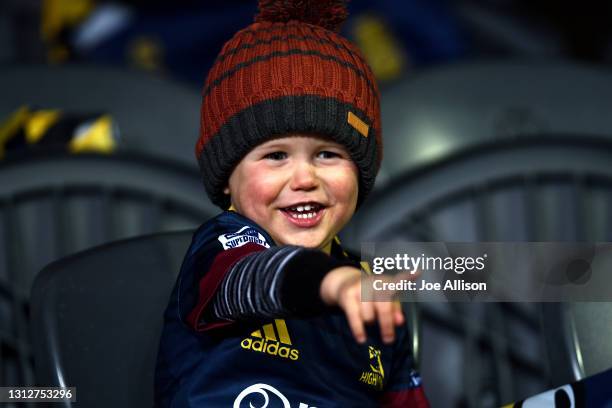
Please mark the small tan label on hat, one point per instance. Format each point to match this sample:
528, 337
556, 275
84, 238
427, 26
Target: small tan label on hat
358, 124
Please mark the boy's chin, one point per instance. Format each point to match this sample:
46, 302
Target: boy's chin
305, 240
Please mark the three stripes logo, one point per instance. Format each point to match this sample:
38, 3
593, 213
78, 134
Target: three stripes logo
272, 339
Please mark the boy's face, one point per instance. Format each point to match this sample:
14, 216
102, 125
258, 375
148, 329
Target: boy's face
302, 189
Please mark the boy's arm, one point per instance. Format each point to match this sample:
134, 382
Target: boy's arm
278, 282
267, 281
254, 281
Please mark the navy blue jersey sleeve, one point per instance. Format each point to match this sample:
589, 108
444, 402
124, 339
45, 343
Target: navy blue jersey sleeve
216, 246
233, 271
283, 281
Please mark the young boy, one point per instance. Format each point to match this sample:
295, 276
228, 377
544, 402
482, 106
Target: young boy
266, 310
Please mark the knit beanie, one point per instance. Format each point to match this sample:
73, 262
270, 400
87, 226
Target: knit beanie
288, 72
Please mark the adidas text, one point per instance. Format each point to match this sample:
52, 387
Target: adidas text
273, 348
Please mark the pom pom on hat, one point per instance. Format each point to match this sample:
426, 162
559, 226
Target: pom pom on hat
329, 14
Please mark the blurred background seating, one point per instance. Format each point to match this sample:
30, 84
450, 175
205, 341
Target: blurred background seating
154, 116
56, 205
498, 151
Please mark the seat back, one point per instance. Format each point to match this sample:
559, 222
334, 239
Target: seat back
97, 318
548, 188
577, 339
54, 205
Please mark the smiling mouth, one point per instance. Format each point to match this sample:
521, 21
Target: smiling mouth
303, 211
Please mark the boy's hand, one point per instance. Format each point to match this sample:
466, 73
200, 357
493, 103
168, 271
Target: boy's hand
342, 287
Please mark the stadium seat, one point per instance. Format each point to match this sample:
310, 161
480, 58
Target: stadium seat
507, 150
97, 317
54, 205
547, 188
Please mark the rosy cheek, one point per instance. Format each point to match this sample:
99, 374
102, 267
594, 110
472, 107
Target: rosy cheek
344, 188
255, 182
259, 198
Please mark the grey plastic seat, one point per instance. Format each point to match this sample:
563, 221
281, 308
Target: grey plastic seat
58, 204
97, 318
498, 151
536, 189
157, 117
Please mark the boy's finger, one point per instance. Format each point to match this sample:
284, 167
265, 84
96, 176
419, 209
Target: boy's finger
367, 312
353, 315
398, 314
385, 321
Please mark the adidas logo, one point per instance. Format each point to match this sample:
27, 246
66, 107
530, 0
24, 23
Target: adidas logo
270, 343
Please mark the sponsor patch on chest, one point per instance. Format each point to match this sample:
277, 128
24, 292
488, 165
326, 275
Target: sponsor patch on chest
242, 237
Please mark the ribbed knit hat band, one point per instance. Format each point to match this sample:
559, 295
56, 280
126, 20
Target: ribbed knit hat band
288, 76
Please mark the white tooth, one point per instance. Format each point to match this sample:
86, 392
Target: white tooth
302, 216
300, 208
310, 215
294, 215
308, 207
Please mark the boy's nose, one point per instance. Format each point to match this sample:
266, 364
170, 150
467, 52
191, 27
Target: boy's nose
304, 177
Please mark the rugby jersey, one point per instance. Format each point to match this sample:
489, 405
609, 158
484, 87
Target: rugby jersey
308, 362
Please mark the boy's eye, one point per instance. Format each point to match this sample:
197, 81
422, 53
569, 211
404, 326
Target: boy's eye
276, 156
326, 154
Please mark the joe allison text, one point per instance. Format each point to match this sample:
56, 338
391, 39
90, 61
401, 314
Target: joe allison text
423, 285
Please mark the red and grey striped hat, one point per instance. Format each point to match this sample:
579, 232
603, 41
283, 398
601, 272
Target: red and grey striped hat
289, 71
